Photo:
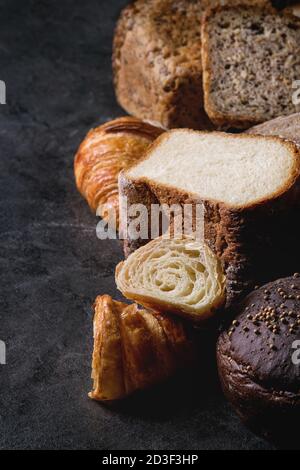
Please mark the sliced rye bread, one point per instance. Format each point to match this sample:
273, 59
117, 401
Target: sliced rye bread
248, 187
286, 127
251, 61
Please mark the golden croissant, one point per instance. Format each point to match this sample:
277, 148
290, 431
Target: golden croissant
106, 151
134, 349
175, 275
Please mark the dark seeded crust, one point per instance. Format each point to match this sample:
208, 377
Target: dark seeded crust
247, 240
255, 365
241, 105
157, 62
286, 127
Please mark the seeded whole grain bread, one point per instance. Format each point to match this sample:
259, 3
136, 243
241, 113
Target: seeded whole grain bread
250, 222
251, 59
287, 127
255, 358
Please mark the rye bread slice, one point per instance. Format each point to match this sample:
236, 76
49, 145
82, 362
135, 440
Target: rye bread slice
251, 62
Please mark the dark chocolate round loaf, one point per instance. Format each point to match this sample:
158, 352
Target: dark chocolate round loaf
259, 360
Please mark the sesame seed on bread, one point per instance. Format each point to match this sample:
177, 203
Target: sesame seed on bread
256, 363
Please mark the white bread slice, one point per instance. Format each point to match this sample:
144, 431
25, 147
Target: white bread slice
232, 169
248, 186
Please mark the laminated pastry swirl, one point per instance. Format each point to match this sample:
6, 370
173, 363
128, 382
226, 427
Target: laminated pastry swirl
106, 151
134, 349
176, 275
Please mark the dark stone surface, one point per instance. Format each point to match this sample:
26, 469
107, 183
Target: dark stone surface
55, 60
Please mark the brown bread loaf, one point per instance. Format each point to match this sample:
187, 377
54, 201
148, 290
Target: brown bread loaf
258, 362
157, 62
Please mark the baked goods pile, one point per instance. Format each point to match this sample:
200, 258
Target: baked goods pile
246, 184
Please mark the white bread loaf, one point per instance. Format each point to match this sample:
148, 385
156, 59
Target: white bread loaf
248, 187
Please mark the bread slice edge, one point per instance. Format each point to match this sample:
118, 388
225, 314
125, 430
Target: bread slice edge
286, 186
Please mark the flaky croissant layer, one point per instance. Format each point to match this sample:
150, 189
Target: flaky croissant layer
134, 349
106, 151
176, 275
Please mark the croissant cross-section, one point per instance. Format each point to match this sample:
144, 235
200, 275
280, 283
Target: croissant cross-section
177, 275
134, 349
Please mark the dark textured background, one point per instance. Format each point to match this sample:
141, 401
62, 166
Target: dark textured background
55, 60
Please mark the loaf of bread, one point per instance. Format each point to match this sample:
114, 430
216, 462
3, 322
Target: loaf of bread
105, 151
258, 360
157, 62
134, 349
250, 58
180, 276
248, 188
287, 127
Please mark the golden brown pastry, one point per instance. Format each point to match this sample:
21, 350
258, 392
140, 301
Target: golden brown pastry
175, 275
106, 151
134, 349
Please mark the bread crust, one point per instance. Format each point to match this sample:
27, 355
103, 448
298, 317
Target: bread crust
220, 119
156, 78
244, 238
262, 410
285, 127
